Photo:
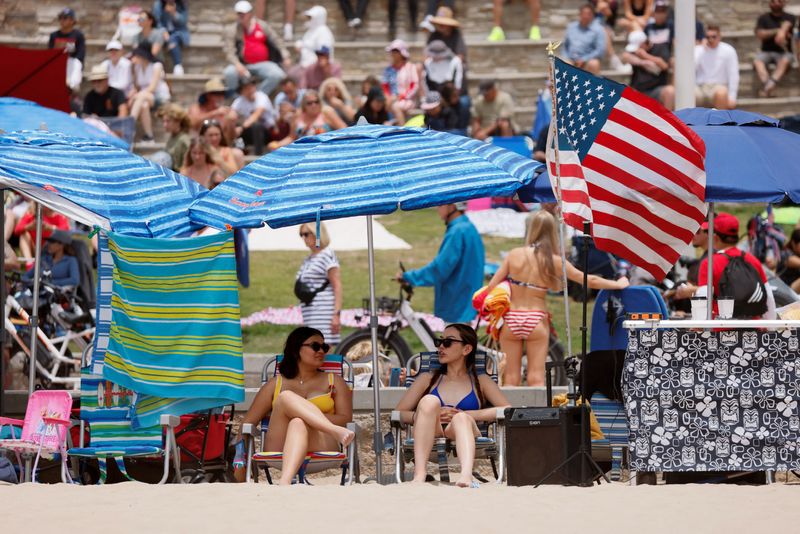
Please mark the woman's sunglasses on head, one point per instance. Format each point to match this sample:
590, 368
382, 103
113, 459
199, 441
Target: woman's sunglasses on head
446, 342
316, 346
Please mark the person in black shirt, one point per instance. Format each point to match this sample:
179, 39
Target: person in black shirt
104, 100
73, 42
438, 116
774, 30
374, 109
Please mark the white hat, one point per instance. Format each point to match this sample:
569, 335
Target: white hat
243, 6
114, 45
635, 40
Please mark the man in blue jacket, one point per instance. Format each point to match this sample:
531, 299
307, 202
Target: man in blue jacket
457, 270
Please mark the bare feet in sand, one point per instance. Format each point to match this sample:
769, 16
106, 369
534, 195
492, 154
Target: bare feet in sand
465, 482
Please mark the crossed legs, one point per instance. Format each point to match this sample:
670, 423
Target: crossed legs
297, 426
427, 426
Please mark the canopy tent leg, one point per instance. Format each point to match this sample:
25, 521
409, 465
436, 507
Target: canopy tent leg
377, 437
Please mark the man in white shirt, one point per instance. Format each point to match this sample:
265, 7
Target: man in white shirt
118, 67
256, 112
716, 71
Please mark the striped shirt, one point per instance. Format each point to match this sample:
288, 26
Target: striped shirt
314, 272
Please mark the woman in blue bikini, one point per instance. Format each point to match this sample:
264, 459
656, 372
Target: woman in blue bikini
433, 404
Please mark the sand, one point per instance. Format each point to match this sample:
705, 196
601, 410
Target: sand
408, 508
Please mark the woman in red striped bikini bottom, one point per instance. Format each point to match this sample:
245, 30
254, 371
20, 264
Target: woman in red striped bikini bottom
532, 270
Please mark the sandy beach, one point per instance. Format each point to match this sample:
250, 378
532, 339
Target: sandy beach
136, 507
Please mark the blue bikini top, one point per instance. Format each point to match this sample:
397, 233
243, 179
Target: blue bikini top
469, 402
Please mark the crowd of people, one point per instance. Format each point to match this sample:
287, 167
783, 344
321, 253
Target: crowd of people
274, 91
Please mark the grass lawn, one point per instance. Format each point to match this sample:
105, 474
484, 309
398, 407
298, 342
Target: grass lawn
272, 278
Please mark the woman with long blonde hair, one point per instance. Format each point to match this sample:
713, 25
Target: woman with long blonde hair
532, 270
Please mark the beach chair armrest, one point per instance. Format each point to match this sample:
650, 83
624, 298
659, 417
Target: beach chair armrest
248, 429
171, 421
56, 421
11, 421
396, 418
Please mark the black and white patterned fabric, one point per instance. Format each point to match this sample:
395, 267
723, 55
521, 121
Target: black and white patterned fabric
712, 401
314, 272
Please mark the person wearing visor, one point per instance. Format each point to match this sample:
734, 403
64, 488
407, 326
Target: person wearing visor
457, 270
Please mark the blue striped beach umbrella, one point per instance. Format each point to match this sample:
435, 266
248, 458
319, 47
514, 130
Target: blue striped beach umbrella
98, 184
363, 170
19, 114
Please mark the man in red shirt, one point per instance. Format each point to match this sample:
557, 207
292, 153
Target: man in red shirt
253, 48
26, 228
726, 236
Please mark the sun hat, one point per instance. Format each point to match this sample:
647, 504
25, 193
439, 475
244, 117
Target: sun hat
635, 40
437, 49
444, 16
399, 45
214, 85
114, 45
431, 100
98, 72
243, 6
60, 236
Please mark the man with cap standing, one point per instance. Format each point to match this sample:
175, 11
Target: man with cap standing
104, 100
253, 48
726, 236
118, 67
73, 42
491, 105
457, 270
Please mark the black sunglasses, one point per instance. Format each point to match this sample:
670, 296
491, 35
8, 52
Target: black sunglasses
316, 346
305, 234
447, 342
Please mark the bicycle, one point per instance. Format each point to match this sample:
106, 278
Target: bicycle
395, 351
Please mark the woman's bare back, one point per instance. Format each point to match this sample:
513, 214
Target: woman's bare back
523, 266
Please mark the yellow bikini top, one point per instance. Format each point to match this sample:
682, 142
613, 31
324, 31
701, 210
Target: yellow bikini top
324, 401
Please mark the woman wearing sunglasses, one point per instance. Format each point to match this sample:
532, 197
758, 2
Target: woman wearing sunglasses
318, 284
314, 118
449, 401
308, 407
531, 271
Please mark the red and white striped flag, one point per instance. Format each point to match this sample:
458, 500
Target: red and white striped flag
630, 167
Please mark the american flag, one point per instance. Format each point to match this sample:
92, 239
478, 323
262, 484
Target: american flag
628, 166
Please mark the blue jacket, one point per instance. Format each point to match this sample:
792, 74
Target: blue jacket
455, 273
63, 273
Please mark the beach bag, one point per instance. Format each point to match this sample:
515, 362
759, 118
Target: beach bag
7, 472
305, 293
741, 281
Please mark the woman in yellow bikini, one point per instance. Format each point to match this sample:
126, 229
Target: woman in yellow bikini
308, 407
532, 270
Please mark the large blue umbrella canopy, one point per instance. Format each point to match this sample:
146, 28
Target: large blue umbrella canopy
98, 184
18, 114
362, 170
749, 158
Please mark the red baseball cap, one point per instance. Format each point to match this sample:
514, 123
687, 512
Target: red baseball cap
726, 225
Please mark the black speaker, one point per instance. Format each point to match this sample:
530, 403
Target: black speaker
538, 440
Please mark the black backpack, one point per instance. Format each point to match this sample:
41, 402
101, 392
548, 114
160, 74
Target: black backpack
742, 282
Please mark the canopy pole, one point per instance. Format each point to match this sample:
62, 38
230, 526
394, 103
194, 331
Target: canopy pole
710, 256
34, 320
377, 436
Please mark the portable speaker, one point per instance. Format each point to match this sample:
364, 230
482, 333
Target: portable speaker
538, 440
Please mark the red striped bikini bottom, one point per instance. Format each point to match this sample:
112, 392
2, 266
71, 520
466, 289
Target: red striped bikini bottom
522, 322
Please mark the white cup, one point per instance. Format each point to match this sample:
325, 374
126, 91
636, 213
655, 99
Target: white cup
725, 308
699, 309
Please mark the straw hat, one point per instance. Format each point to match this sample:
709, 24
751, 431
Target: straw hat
214, 85
444, 16
98, 72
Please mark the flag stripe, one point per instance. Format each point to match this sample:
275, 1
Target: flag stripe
677, 128
659, 253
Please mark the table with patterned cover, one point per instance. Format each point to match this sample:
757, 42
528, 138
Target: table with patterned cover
713, 400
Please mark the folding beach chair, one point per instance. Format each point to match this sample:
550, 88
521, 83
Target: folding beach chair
44, 431
106, 407
488, 445
316, 461
613, 422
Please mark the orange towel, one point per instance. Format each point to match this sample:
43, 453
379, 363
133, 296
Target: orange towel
492, 306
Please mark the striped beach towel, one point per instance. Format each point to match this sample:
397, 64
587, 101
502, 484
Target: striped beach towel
175, 336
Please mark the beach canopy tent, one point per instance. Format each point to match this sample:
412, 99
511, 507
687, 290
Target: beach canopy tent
17, 114
749, 158
98, 184
36, 75
362, 170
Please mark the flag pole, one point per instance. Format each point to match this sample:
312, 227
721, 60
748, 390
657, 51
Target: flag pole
551, 48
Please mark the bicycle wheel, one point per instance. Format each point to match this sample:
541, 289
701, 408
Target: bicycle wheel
555, 354
357, 347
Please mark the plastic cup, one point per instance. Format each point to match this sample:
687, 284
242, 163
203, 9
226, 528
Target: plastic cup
699, 309
725, 308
